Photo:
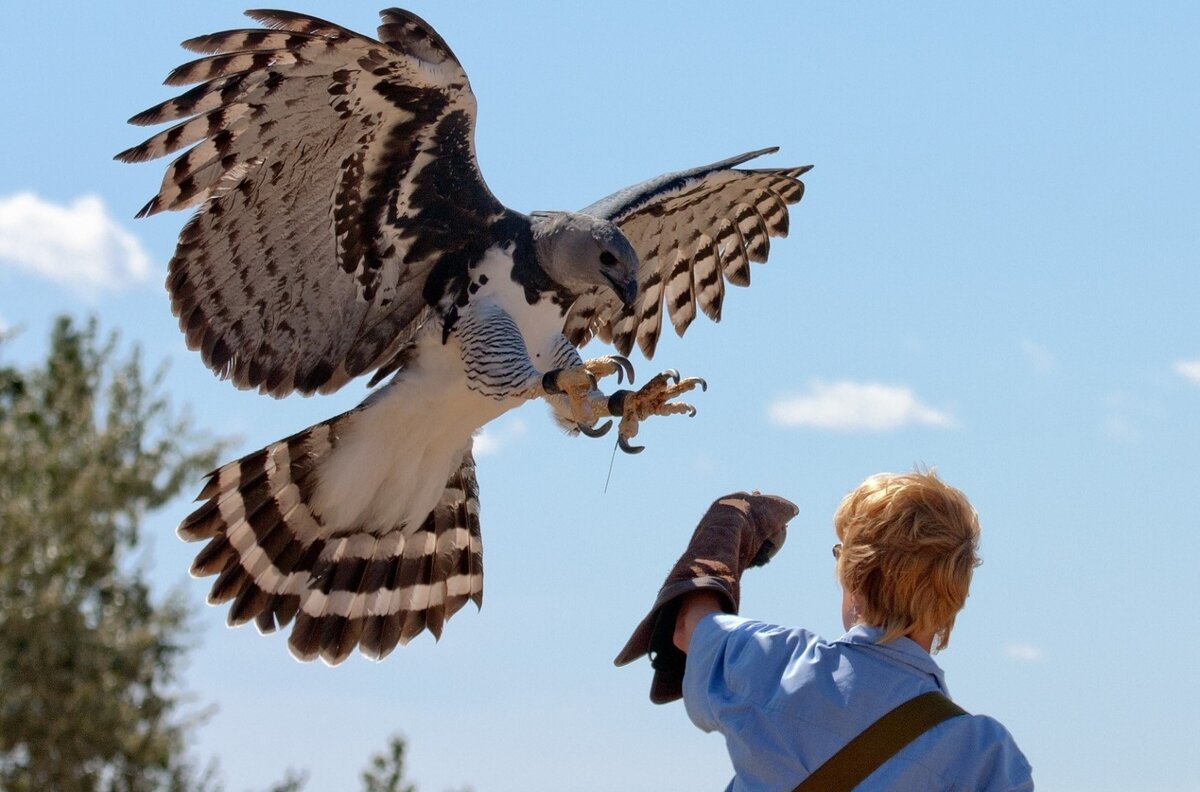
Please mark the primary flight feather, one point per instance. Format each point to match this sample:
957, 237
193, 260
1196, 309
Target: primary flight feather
343, 228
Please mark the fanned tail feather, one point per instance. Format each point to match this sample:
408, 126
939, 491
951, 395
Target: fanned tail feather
276, 562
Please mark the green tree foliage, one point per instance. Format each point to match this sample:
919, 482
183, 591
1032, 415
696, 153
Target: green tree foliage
385, 772
88, 659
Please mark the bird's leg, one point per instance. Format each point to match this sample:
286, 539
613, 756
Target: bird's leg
587, 404
653, 398
579, 384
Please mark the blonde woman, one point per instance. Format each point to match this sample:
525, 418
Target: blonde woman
868, 711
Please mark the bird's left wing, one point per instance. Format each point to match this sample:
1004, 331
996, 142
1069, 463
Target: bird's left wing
338, 189
692, 230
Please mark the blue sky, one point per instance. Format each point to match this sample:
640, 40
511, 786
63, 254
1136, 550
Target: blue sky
994, 271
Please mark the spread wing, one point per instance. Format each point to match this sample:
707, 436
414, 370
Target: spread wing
338, 190
693, 231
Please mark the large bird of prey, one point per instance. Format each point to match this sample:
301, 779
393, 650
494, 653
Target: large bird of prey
343, 228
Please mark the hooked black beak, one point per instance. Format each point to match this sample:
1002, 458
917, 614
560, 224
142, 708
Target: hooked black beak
626, 291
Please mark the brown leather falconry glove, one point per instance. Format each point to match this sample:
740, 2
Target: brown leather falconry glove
739, 531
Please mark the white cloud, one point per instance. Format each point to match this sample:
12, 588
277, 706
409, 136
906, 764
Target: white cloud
80, 245
1024, 653
1188, 369
1038, 356
855, 406
492, 438
1120, 428
1117, 424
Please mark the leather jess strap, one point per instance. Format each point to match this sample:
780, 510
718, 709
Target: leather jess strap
882, 740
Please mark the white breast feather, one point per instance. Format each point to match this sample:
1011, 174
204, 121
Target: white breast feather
393, 459
540, 324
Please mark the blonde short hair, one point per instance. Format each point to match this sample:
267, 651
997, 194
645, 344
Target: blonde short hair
909, 546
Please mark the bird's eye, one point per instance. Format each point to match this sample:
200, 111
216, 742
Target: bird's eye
607, 259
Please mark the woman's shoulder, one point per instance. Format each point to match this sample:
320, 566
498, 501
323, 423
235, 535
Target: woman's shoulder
997, 762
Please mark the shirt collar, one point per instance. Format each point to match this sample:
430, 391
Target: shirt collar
904, 651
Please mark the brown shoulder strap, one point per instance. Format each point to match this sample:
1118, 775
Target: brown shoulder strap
882, 740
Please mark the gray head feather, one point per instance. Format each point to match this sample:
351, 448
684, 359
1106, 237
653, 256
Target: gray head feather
581, 252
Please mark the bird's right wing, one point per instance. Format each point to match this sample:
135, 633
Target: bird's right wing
693, 230
338, 190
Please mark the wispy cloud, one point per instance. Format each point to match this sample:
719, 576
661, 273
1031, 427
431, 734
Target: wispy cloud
703, 463
1038, 356
1024, 653
1117, 423
856, 406
1188, 369
80, 246
1120, 428
494, 437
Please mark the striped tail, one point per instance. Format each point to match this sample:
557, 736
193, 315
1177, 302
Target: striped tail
276, 561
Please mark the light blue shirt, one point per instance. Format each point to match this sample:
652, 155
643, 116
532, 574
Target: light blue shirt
786, 700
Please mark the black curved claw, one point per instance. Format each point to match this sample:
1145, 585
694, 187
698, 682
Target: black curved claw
703, 384
629, 449
672, 375
550, 381
691, 411
592, 431
623, 367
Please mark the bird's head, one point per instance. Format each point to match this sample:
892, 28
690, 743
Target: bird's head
580, 252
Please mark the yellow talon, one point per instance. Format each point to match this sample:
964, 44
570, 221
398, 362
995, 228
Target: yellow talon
579, 385
654, 398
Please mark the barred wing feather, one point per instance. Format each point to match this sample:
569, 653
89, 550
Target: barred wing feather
693, 231
336, 179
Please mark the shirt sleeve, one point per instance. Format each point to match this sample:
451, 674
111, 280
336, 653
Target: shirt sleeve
733, 662
1003, 768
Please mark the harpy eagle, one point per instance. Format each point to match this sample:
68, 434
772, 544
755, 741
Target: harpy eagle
343, 228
